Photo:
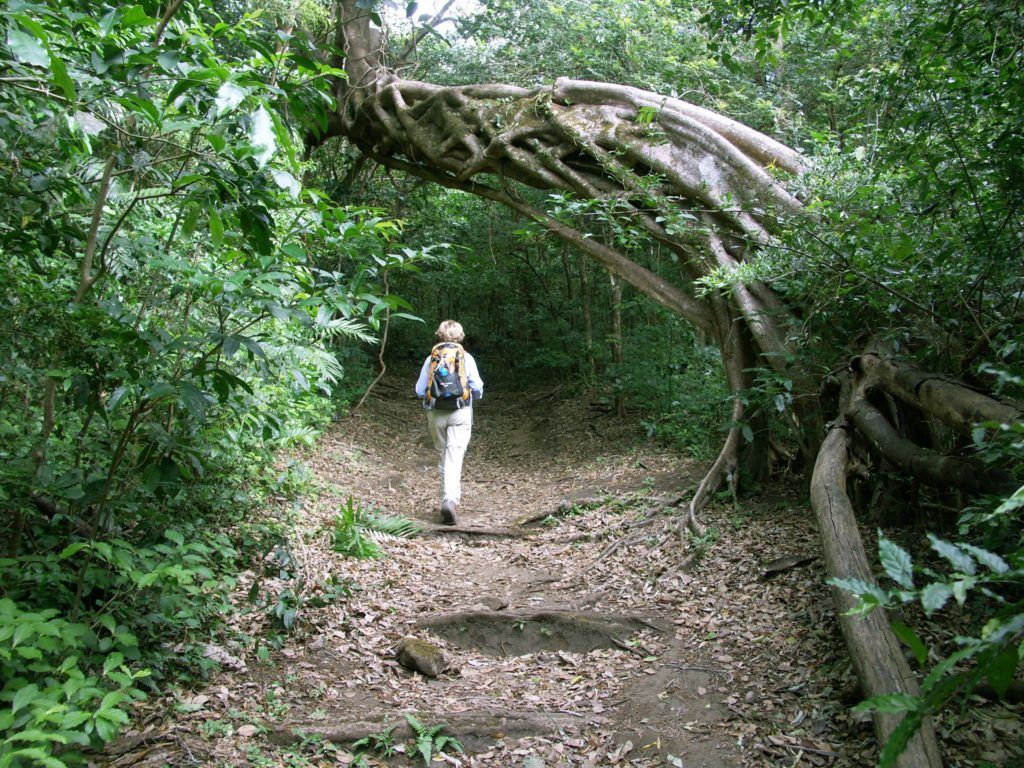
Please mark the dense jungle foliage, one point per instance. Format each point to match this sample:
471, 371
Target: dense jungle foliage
190, 295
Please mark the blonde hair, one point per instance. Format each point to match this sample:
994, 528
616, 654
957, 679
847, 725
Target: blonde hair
450, 330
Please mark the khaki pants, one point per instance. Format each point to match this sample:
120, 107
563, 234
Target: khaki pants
450, 431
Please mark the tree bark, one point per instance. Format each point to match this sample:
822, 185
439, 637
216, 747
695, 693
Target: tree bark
954, 403
930, 467
874, 650
617, 343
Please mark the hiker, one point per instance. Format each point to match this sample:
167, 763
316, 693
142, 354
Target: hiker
449, 382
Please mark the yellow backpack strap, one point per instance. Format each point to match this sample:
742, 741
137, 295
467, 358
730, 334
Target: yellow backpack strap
435, 358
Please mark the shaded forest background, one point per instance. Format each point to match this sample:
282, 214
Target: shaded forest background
190, 290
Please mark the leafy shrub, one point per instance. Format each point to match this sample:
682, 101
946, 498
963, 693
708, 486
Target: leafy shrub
68, 684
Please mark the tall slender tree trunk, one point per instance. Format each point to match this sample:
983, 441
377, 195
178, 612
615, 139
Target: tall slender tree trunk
617, 344
582, 267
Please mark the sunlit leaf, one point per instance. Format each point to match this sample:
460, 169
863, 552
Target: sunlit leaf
27, 49
261, 135
934, 596
896, 561
229, 96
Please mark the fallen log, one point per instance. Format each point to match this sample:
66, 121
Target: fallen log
877, 658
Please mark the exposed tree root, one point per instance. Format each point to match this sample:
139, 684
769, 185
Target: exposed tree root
875, 651
471, 530
476, 730
564, 508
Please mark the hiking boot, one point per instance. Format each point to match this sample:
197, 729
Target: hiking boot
448, 512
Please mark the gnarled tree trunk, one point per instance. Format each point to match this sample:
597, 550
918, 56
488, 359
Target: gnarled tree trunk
705, 187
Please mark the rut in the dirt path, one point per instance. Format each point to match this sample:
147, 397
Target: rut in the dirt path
577, 641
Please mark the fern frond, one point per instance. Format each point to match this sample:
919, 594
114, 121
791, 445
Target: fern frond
442, 742
320, 360
393, 525
350, 329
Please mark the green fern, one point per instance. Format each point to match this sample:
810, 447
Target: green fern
355, 518
348, 532
430, 740
382, 743
324, 363
350, 329
392, 525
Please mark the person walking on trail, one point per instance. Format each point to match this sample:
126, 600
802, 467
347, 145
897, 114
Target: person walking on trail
449, 382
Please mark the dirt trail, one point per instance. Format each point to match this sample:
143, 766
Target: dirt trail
578, 642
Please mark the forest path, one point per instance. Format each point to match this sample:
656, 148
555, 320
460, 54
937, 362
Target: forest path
601, 652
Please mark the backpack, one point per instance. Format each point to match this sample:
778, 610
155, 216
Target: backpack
447, 384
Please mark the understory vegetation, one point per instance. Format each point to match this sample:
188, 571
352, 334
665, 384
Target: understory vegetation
196, 282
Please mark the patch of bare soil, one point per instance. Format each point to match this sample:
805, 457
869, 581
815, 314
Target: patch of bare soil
573, 641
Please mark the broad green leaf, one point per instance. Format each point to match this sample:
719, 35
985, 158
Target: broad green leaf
194, 400
997, 631
899, 738
27, 49
71, 549
861, 589
136, 16
957, 557
253, 346
74, 719
295, 251
216, 228
1016, 501
60, 77
115, 399
160, 389
24, 696
911, 640
22, 631
960, 589
934, 596
113, 661
39, 756
109, 21
175, 536
169, 61
34, 734
112, 699
990, 560
888, 703
1001, 670
104, 728
896, 561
